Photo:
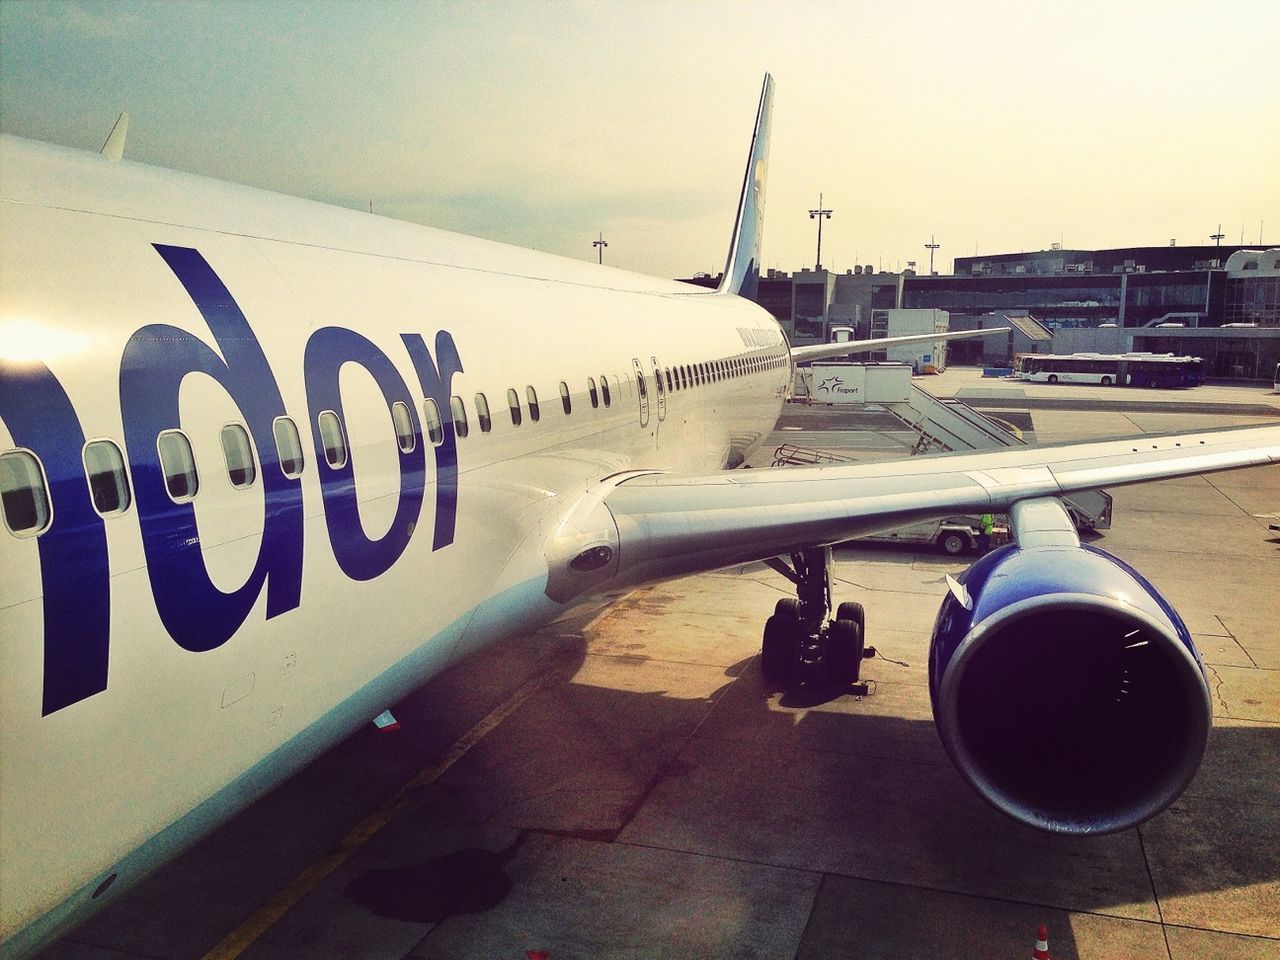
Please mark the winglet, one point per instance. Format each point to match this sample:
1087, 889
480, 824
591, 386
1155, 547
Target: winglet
742, 271
113, 149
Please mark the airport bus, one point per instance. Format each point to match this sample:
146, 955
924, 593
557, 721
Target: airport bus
1107, 369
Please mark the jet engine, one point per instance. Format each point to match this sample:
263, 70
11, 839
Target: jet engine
1065, 688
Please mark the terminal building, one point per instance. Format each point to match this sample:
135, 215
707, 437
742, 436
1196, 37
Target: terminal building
1219, 303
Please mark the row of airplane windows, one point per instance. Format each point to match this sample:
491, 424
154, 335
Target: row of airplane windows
27, 506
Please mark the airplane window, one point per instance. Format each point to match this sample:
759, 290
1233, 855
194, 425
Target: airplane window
404, 426
24, 496
513, 401
435, 426
179, 465
238, 453
640, 386
684, 376
667, 371
534, 411
335, 444
482, 413
565, 400
604, 390
459, 410
288, 446
591, 389
108, 483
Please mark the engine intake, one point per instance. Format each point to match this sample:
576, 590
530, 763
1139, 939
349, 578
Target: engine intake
1066, 690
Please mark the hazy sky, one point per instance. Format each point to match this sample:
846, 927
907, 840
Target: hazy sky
996, 126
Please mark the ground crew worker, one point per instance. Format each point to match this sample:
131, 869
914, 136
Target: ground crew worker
988, 523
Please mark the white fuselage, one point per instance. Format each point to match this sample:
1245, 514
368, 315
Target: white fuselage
115, 780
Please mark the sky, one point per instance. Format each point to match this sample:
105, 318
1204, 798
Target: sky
991, 126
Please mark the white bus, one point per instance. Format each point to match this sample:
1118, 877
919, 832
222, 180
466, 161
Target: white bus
1107, 369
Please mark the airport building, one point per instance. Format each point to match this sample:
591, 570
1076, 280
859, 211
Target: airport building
1223, 303
808, 303
1220, 303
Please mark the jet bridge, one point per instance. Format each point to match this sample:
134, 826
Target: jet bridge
940, 425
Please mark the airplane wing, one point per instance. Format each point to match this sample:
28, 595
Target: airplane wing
644, 526
819, 351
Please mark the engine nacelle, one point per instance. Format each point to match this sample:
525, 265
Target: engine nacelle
1066, 689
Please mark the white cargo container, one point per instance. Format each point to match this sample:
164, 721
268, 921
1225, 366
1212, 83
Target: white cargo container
924, 356
848, 383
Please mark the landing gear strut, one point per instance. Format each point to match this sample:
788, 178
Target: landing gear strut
801, 644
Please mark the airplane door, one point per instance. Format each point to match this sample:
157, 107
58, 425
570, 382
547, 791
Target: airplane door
642, 391
662, 390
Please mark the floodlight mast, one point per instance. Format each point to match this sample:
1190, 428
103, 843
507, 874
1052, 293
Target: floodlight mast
819, 215
931, 246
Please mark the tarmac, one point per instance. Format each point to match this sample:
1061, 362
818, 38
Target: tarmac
629, 787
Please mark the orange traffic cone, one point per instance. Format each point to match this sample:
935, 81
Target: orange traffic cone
1041, 952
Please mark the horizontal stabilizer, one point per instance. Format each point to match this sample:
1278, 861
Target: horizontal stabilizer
819, 351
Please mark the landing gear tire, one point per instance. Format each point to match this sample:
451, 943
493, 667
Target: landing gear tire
787, 607
953, 544
844, 651
781, 648
851, 610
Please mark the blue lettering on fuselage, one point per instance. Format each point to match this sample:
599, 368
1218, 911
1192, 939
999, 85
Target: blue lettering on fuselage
437, 383
156, 359
73, 551
359, 557
75, 579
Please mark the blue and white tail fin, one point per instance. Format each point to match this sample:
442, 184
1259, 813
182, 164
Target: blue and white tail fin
742, 271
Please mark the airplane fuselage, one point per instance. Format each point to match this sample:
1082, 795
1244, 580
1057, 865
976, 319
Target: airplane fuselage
164, 660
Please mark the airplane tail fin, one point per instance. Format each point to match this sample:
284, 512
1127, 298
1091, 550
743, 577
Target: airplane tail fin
742, 271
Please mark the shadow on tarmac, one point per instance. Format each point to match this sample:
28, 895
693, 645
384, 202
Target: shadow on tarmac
733, 774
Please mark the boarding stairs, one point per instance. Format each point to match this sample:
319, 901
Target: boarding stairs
945, 425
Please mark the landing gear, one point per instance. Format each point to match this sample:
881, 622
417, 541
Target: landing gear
801, 644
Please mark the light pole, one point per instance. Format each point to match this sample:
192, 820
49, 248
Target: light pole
931, 246
1217, 237
819, 215
600, 245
